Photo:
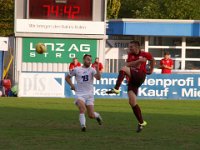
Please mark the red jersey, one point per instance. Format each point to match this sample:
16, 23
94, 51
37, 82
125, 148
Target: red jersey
72, 65
142, 54
167, 62
100, 65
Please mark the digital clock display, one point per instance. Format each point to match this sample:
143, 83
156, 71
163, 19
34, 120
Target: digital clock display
60, 9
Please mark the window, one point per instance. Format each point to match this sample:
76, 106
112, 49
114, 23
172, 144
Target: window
192, 41
114, 65
165, 41
193, 53
192, 65
175, 53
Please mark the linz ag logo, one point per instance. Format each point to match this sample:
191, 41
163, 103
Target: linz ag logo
60, 49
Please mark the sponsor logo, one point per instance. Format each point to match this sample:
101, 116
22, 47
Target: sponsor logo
60, 48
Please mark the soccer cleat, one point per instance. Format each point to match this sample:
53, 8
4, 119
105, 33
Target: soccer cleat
141, 126
83, 128
99, 120
113, 91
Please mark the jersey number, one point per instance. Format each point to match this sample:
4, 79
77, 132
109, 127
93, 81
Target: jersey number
85, 78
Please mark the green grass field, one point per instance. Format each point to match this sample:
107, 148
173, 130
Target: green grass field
41, 123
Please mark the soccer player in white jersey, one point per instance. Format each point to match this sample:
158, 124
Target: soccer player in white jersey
84, 97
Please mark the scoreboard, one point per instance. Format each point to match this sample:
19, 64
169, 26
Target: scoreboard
60, 9
80, 17
68, 28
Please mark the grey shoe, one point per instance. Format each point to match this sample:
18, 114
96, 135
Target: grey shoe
99, 120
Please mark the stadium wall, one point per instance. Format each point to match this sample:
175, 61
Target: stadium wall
156, 86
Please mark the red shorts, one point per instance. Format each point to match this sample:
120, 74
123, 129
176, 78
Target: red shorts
136, 80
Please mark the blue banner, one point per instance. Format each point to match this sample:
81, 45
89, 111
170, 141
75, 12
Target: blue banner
156, 86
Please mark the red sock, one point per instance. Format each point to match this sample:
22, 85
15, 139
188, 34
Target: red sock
120, 78
137, 112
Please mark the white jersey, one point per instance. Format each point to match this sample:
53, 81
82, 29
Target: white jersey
84, 77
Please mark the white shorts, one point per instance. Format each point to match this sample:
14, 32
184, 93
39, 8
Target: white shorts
88, 99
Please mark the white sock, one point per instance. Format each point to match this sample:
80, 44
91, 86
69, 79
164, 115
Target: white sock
96, 115
82, 119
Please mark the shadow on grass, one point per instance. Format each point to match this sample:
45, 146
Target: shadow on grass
23, 128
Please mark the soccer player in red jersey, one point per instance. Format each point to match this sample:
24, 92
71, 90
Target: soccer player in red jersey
74, 64
135, 69
166, 64
97, 63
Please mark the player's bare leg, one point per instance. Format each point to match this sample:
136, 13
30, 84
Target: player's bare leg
94, 115
82, 108
125, 71
137, 111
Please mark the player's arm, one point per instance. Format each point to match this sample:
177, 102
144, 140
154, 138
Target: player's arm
68, 80
152, 64
101, 67
169, 67
71, 67
162, 66
97, 75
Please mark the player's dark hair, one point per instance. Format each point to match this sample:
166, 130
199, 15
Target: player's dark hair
87, 55
135, 42
166, 53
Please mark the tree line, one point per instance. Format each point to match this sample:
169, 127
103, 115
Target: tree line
160, 9
6, 17
136, 9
